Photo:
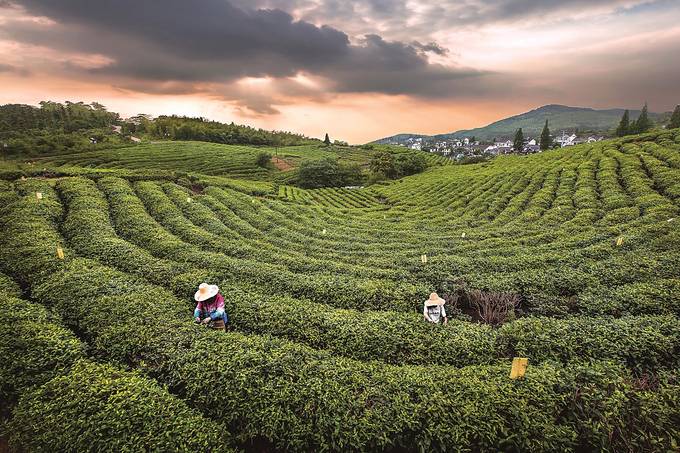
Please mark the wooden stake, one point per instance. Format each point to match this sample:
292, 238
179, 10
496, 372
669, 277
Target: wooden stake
519, 367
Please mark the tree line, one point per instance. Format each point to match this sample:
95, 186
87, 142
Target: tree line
67, 117
186, 128
639, 126
53, 127
643, 123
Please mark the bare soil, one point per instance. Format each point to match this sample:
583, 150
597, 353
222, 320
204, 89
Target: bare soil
281, 164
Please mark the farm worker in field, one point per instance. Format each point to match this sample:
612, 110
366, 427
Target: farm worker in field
433, 311
210, 307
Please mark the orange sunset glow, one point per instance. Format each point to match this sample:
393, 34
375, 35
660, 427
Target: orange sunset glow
359, 70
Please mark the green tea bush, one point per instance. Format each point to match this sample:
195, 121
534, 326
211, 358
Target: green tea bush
325, 288
101, 408
639, 342
8, 287
33, 346
311, 392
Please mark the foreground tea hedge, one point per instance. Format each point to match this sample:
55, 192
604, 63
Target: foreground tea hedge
34, 348
101, 408
300, 398
69, 404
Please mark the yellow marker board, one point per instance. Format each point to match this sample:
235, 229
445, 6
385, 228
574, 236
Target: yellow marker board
323, 231
423, 258
38, 195
188, 199
60, 253
519, 367
619, 241
462, 235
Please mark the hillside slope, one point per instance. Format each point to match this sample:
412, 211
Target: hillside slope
324, 289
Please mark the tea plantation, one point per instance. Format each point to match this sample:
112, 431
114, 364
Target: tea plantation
324, 288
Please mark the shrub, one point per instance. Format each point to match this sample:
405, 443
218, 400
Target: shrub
406, 164
327, 172
263, 159
492, 307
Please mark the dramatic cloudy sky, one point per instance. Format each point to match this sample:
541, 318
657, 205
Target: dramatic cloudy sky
358, 69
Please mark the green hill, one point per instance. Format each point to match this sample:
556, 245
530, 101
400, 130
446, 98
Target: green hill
560, 117
568, 258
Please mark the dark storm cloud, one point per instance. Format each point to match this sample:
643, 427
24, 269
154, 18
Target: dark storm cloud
214, 41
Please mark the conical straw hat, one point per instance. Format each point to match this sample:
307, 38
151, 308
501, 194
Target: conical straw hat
435, 300
205, 292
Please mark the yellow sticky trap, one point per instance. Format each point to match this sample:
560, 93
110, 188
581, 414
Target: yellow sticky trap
462, 235
38, 195
423, 258
323, 231
619, 241
188, 199
60, 253
519, 367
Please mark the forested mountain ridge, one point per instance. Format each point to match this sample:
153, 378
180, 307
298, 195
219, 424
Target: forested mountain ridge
560, 117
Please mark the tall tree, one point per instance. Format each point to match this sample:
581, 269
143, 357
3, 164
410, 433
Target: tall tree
675, 118
624, 125
518, 144
643, 123
546, 140
327, 140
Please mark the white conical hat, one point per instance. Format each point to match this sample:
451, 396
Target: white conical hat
205, 292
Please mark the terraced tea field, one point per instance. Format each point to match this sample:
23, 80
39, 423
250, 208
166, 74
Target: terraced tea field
324, 289
232, 161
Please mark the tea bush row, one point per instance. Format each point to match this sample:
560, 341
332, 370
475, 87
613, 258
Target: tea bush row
101, 408
53, 392
299, 398
390, 337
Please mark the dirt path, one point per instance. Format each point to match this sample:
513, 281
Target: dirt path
281, 164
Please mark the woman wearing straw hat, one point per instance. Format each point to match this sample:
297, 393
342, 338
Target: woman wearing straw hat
433, 311
210, 307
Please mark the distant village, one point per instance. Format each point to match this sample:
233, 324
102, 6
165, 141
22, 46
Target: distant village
470, 147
